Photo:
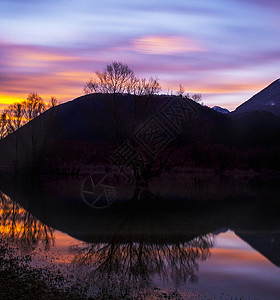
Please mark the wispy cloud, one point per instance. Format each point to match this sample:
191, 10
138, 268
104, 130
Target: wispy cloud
166, 45
227, 50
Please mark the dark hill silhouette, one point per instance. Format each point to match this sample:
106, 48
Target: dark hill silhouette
95, 125
256, 128
90, 118
79, 134
267, 99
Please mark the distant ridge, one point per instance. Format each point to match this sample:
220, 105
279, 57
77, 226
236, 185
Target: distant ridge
267, 99
221, 109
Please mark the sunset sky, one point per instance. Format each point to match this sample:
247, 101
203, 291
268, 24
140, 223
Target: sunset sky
226, 50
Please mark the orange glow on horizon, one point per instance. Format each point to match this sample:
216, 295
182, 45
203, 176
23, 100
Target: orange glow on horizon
68, 85
7, 99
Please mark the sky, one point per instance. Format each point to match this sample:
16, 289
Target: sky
226, 50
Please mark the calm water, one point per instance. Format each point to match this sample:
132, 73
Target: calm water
195, 237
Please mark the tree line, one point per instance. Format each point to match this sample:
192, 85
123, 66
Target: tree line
119, 78
18, 114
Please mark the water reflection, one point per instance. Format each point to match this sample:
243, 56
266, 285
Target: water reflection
21, 227
137, 262
146, 238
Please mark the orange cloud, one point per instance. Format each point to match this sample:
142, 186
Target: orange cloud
166, 45
29, 57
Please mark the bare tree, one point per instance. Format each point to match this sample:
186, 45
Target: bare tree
119, 78
181, 90
195, 97
151, 86
17, 115
20, 113
3, 125
33, 106
54, 102
143, 86
14, 116
113, 79
91, 86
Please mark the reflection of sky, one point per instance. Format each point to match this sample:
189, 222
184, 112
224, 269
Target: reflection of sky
238, 270
234, 269
227, 50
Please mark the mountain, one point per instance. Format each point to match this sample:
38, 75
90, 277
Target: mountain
256, 128
89, 129
98, 129
267, 99
221, 109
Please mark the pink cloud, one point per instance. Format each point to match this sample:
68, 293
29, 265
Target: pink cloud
154, 44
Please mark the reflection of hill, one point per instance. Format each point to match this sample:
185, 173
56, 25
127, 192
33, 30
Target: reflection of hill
164, 233
126, 244
267, 243
61, 207
153, 237
178, 211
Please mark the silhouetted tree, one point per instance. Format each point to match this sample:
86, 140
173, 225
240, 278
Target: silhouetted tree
14, 116
20, 113
194, 97
54, 102
181, 91
113, 79
117, 77
3, 125
33, 106
143, 87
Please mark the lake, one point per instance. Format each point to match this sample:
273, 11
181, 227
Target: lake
185, 236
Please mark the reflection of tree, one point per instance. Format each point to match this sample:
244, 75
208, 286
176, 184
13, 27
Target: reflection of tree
126, 267
19, 225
